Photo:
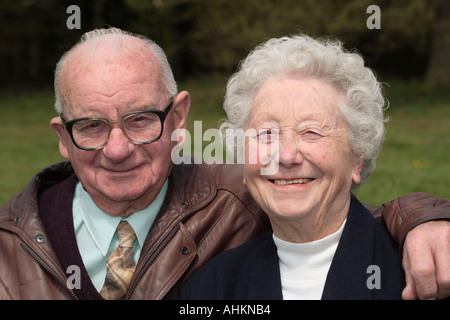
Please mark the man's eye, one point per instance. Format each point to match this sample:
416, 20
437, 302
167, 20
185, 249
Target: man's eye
94, 124
89, 125
139, 121
137, 118
142, 120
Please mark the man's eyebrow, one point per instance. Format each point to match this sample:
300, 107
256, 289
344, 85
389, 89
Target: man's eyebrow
146, 107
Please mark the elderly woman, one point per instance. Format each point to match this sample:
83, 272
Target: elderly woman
313, 112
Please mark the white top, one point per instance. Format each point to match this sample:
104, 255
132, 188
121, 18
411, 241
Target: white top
304, 266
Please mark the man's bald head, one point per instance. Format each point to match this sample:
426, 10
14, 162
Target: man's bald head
111, 49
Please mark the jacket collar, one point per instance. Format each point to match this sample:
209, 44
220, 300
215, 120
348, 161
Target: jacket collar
17, 212
194, 185
347, 276
191, 187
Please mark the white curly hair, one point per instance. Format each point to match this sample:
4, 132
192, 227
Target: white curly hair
325, 60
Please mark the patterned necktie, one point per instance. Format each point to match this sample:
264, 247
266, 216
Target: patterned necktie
120, 265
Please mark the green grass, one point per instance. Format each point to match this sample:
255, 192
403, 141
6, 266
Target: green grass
27, 142
415, 156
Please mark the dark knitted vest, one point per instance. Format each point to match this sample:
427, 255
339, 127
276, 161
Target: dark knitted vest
55, 209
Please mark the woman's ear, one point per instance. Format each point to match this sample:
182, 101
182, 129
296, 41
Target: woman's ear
356, 171
61, 132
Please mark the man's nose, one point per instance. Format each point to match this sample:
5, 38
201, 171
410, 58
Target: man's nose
118, 147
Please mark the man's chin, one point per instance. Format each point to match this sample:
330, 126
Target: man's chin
123, 195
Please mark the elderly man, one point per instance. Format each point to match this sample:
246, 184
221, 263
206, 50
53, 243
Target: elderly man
119, 220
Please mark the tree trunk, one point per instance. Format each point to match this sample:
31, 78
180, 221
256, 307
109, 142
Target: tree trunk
438, 72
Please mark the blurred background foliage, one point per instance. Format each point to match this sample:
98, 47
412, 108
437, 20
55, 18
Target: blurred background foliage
206, 39
204, 36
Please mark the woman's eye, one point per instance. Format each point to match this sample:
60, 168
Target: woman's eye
268, 135
265, 135
312, 135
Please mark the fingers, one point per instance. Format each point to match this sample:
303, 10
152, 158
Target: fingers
419, 269
409, 293
424, 278
426, 261
442, 261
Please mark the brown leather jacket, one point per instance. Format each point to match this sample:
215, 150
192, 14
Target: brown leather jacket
207, 210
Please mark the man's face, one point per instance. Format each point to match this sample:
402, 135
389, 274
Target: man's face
111, 86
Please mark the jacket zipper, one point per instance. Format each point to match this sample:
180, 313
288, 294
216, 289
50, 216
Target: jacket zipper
47, 268
155, 254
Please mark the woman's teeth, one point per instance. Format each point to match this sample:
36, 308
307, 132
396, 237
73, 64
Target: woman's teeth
294, 181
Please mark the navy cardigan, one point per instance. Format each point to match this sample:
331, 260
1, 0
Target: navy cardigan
251, 271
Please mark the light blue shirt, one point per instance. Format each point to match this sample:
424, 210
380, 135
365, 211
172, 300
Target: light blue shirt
96, 231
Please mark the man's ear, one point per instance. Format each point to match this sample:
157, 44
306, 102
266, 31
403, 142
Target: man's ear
180, 109
61, 132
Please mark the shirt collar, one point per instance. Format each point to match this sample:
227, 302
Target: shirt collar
102, 227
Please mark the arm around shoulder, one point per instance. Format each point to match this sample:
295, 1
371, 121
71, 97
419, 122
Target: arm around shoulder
420, 223
407, 212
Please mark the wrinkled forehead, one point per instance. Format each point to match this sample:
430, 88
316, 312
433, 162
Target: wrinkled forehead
296, 99
114, 53
103, 64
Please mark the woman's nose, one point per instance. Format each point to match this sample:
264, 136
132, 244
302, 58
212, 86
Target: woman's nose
290, 153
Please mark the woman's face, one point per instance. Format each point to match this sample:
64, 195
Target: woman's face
296, 123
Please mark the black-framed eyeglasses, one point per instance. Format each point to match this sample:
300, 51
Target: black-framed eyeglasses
139, 127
